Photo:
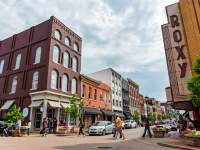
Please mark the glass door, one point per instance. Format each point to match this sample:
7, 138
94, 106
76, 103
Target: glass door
38, 118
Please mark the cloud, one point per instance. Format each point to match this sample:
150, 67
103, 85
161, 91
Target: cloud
124, 34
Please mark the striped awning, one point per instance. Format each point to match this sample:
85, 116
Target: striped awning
7, 104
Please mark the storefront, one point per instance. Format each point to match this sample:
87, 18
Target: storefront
50, 105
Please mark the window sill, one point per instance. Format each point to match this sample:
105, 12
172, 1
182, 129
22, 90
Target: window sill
33, 89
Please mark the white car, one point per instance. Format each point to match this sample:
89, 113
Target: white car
101, 128
130, 124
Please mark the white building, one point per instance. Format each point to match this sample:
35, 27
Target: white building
114, 80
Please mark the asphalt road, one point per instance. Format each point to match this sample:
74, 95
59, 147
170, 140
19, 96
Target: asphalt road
52, 142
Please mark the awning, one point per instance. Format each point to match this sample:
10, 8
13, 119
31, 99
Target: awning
7, 105
107, 112
120, 114
54, 104
90, 111
35, 103
65, 105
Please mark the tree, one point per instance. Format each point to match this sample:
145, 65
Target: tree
154, 116
194, 85
136, 116
13, 115
150, 116
159, 117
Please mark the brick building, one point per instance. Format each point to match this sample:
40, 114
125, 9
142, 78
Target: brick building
40, 70
97, 100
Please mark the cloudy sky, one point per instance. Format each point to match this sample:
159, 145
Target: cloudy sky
122, 34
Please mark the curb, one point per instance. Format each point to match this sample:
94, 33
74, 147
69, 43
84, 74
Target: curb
175, 146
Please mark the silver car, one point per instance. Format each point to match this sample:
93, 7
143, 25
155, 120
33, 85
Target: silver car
101, 128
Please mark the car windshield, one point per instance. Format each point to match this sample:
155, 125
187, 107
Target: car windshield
127, 121
99, 124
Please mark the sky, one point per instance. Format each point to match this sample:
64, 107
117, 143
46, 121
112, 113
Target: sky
122, 34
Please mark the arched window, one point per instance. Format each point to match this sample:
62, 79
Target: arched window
74, 86
75, 64
56, 54
54, 79
67, 41
76, 47
1, 66
57, 34
14, 85
64, 83
66, 59
38, 55
35, 80
18, 61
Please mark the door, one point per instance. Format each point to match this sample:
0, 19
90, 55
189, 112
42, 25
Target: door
38, 119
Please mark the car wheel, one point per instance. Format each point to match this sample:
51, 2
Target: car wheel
104, 132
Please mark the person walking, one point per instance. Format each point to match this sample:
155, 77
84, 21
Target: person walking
81, 127
29, 127
118, 126
45, 127
147, 128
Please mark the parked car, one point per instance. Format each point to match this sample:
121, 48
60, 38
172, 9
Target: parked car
129, 124
101, 128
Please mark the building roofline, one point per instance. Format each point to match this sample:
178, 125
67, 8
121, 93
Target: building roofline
84, 77
130, 80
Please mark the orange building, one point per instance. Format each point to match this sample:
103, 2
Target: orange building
97, 100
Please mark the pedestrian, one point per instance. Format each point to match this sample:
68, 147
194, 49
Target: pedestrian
50, 125
115, 128
45, 127
147, 128
54, 125
81, 127
29, 127
18, 126
118, 125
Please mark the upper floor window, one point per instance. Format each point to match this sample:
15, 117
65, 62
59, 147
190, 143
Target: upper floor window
18, 61
116, 102
56, 54
75, 64
74, 86
14, 85
89, 92
95, 94
64, 83
1, 66
67, 41
57, 34
120, 104
66, 59
54, 79
35, 80
113, 102
83, 91
76, 47
38, 55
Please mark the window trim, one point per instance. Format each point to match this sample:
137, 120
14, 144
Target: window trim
57, 62
33, 80
18, 61
57, 75
2, 63
38, 49
14, 85
59, 33
67, 78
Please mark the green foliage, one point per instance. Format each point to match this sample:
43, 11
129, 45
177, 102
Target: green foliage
13, 115
154, 117
194, 85
159, 117
136, 116
150, 116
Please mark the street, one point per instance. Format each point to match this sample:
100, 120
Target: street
52, 142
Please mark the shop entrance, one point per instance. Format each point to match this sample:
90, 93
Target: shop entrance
38, 119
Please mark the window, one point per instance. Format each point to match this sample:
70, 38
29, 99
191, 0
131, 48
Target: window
67, 41
57, 34
14, 85
89, 92
64, 83
66, 59
18, 61
35, 80
113, 102
75, 64
74, 86
120, 104
83, 91
1, 66
54, 79
76, 47
38, 55
116, 102
95, 94
56, 54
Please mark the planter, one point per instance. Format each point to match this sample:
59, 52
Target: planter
23, 130
62, 130
159, 134
193, 141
